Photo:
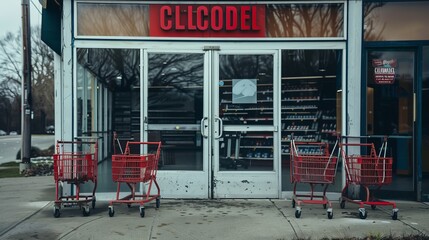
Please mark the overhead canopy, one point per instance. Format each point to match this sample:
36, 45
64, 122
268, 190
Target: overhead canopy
51, 23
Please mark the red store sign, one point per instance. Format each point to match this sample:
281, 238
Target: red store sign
207, 20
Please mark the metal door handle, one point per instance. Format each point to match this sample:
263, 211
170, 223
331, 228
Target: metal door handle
220, 128
203, 127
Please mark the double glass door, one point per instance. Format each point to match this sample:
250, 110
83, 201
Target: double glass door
214, 113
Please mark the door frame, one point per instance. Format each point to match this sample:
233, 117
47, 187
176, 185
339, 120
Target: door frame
237, 184
178, 183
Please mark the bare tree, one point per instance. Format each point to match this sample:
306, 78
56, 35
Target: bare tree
11, 78
42, 81
10, 66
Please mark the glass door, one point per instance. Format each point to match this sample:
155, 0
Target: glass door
245, 155
177, 115
391, 113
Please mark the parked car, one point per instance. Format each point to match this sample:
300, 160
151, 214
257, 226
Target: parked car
50, 129
13, 133
2, 133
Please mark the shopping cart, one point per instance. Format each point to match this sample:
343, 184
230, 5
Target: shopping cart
312, 163
75, 162
131, 169
365, 168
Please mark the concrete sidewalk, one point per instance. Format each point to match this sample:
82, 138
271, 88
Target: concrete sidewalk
27, 213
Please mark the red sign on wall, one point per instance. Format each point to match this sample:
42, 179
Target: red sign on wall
207, 20
384, 71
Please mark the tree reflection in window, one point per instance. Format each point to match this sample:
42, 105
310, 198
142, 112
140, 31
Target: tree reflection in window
106, 19
373, 28
246, 67
119, 69
305, 20
175, 87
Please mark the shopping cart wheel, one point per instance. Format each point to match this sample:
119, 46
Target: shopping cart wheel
330, 214
111, 211
56, 212
342, 204
129, 205
142, 212
157, 202
298, 212
362, 213
395, 215
86, 211
373, 207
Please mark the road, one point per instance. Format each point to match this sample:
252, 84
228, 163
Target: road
10, 145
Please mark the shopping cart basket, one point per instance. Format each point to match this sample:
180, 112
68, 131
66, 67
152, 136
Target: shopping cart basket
312, 163
366, 168
131, 169
75, 162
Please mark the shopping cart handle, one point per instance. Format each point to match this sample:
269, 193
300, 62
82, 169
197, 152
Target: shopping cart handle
158, 151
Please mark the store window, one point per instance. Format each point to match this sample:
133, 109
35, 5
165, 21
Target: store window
425, 123
394, 21
310, 103
117, 70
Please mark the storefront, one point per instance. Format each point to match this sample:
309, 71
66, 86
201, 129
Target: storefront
396, 80
225, 86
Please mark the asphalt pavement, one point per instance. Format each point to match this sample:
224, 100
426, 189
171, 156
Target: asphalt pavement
27, 213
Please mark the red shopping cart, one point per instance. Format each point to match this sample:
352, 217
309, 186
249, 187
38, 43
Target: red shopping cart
75, 162
312, 163
366, 168
131, 169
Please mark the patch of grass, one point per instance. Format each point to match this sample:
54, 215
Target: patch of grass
10, 164
10, 172
11, 169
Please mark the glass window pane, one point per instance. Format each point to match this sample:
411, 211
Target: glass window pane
95, 19
305, 20
119, 71
181, 150
246, 89
175, 88
175, 108
311, 103
392, 21
246, 151
390, 97
390, 91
